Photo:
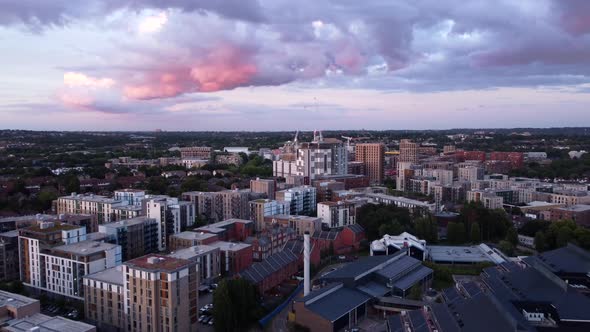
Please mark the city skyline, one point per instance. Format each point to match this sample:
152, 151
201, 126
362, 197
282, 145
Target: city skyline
270, 65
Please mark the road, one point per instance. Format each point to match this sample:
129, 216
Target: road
204, 300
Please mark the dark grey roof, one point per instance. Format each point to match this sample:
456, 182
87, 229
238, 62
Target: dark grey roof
471, 288
295, 246
338, 303
451, 295
395, 323
326, 235
316, 293
444, 319
570, 259
373, 289
412, 278
479, 314
356, 228
416, 319
259, 271
399, 267
362, 265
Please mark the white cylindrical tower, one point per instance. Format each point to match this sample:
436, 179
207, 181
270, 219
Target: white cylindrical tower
306, 255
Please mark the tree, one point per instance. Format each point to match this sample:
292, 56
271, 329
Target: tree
506, 247
512, 236
427, 229
157, 185
416, 292
475, 233
456, 233
235, 305
540, 241
72, 184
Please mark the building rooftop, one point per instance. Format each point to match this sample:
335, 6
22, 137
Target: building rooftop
230, 246
85, 248
43, 323
14, 300
128, 208
125, 223
569, 260
576, 208
464, 254
155, 262
130, 190
113, 275
259, 271
216, 227
192, 252
188, 235
10, 234
56, 227
334, 301
364, 266
92, 198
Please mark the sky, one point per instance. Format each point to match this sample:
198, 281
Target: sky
286, 65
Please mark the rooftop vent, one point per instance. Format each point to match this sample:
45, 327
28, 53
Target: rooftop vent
152, 260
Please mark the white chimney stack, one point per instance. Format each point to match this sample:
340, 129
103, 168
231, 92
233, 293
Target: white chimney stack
306, 254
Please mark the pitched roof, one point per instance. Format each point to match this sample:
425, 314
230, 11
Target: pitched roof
259, 271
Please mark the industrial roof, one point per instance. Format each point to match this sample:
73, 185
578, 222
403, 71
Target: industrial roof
338, 303
259, 271
409, 280
403, 264
479, 314
362, 266
444, 319
464, 254
395, 323
326, 235
417, 319
373, 289
356, 228
570, 259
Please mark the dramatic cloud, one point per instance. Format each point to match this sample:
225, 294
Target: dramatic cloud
151, 53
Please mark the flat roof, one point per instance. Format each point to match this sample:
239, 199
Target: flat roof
85, 248
576, 208
91, 198
126, 222
191, 252
338, 303
58, 226
14, 300
188, 235
160, 263
113, 275
10, 234
230, 246
459, 254
47, 324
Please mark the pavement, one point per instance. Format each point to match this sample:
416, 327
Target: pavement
205, 299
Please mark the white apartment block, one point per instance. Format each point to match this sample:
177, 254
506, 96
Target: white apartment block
171, 215
302, 200
130, 196
488, 199
99, 206
470, 173
337, 214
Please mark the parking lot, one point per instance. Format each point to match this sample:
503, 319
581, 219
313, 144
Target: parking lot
64, 311
205, 299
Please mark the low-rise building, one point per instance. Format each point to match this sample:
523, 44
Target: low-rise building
579, 213
261, 208
189, 239
235, 256
270, 241
300, 224
271, 271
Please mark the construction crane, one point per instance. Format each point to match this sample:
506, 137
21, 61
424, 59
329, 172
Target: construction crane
348, 139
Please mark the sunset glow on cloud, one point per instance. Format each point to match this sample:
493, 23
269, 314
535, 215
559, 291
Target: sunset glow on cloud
145, 58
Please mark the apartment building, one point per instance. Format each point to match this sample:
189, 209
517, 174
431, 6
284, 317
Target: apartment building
123, 212
300, 224
489, 199
569, 197
196, 152
229, 230
9, 262
470, 173
413, 205
130, 196
172, 216
160, 293
190, 239
302, 199
103, 299
337, 214
261, 208
264, 186
54, 258
99, 206
235, 256
208, 259
408, 151
372, 156
137, 236
222, 205
270, 241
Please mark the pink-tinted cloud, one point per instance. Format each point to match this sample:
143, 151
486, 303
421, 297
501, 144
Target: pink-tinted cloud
73, 79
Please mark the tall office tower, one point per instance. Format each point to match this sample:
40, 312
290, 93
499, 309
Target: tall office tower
264, 186
408, 151
161, 293
372, 155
